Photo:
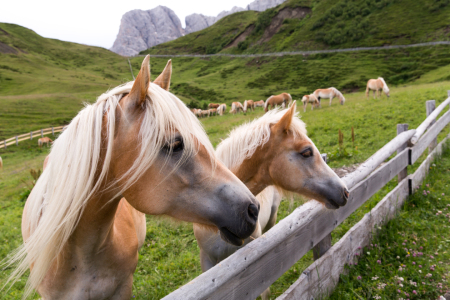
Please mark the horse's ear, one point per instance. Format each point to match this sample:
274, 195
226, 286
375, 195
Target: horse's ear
163, 79
285, 122
141, 84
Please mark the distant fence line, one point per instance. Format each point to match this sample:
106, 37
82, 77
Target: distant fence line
306, 52
19, 138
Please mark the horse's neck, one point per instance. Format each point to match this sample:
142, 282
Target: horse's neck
253, 172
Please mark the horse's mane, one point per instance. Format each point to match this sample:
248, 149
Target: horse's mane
59, 198
339, 94
243, 141
267, 102
385, 87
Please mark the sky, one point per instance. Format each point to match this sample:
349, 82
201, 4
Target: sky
94, 22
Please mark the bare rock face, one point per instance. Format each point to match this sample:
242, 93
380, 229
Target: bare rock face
142, 29
262, 5
196, 22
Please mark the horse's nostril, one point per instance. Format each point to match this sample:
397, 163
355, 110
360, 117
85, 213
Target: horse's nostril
253, 211
346, 193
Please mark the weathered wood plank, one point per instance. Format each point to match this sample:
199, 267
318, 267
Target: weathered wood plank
375, 160
425, 124
321, 277
249, 271
429, 136
402, 128
431, 106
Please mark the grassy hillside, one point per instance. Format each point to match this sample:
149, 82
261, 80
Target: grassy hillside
320, 24
43, 82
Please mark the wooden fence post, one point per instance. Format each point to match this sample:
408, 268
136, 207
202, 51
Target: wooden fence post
431, 105
53, 131
31, 135
17, 141
403, 173
42, 133
325, 244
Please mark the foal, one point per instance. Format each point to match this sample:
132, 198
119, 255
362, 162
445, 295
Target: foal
310, 99
270, 154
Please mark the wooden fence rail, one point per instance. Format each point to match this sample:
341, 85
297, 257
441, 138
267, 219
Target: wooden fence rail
253, 268
29, 136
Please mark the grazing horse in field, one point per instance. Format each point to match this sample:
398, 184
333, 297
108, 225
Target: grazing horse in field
139, 141
44, 140
310, 99
259, 103
329, 93
377, 85
249, 104
236, 107
221, 109
272, 155
213, 111
213, 105
283, 98
1, 163
205, 113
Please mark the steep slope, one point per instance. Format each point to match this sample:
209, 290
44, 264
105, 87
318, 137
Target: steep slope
142, 29
44, 82
324, 24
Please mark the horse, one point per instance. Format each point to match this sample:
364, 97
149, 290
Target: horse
138, 141
310, 99
221, 109
213, 105
235, 107
272, 155
44, 140
213, 111
259, 103
204, 113
277, 100
377, 85
249, 104
1, 163
329, 93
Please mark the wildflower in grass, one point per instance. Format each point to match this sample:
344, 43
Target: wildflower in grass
359, 277
376, 297
431, 256
443, 194
428, 275
398, 257
413, 262
379, 262
375, 278
414, 243
424, 192
414, 292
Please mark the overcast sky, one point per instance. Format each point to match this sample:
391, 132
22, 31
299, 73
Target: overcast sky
95, 22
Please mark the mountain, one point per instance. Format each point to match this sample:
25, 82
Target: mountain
142, 29
313, 25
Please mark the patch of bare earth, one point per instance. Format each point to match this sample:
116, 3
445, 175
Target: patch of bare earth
344, 170
241, 37
277, 21
5, 49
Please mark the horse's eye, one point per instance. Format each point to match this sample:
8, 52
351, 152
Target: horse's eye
306, 153
176, 146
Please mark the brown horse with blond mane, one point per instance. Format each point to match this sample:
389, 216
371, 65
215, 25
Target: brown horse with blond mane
272, 101
272, 155
81, 237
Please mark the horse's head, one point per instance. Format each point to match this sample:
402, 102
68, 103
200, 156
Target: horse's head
295, 164
162, 141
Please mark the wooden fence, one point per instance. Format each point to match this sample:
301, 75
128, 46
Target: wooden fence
253, 268
30, 135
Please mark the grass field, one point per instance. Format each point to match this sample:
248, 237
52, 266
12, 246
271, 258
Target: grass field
170, 255
46, 82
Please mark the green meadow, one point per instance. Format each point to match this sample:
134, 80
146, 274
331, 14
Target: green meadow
45, 82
